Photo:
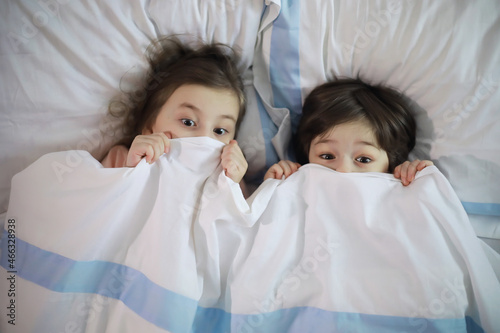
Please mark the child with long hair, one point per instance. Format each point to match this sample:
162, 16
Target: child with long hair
190, 92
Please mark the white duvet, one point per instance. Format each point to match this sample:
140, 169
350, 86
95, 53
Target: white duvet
174, 247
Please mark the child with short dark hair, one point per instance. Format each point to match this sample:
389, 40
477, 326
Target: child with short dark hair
350, 126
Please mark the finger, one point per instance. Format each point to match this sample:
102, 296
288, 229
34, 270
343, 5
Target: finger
411, 170
397, 172
404, 173
231, 148
229, 166
133, 159
277, 171
226, 150
271, 173
423, 164
149, 152
156, 148
166, 141
295, 167
287, 168
232, 143
160, 143
416, 166
231, 153
233, 162
138, 150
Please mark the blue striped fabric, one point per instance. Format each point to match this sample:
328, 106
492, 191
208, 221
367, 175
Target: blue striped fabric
177, 313
478, 208
285, 60
55, 272
269, 130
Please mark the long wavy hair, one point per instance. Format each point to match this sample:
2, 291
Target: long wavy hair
172, 64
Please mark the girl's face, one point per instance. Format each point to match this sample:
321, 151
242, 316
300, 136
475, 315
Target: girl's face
195, 110
349, 147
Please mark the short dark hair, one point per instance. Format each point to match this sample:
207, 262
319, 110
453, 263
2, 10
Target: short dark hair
346, 100
172, 65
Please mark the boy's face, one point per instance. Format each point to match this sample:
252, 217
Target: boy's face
195, 110
349, 147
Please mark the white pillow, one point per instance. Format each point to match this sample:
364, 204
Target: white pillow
233, 22
61, 62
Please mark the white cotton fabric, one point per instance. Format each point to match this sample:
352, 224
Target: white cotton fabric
355, 243
142, 218
63, 61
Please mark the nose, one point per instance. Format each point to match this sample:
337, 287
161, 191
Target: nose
203, 131
208, 132
343, 165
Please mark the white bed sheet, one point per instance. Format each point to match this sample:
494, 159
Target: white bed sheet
175, 247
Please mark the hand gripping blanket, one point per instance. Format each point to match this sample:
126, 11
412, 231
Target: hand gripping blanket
174, 247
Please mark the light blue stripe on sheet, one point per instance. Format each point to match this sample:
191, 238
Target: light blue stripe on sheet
478, 208
269, 130
178, 313
285, 60
308, 319
152, 302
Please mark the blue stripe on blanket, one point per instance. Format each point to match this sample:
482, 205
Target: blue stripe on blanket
285, 60
177, 313
155, 304
307, 319
269, 130
478, 208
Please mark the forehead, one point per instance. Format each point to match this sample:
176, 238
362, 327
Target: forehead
206, 100
355, 131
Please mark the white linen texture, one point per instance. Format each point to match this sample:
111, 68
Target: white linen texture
174, 247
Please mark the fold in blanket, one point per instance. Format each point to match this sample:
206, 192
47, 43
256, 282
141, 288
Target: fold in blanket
174, 247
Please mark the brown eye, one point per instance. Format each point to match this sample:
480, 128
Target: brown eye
364, 159
220, 131
188, 122
327, 156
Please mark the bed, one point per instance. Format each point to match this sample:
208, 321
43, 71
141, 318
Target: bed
228, 264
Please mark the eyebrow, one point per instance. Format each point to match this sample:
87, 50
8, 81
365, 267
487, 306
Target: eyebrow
189, 106
367, 143
196, 109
